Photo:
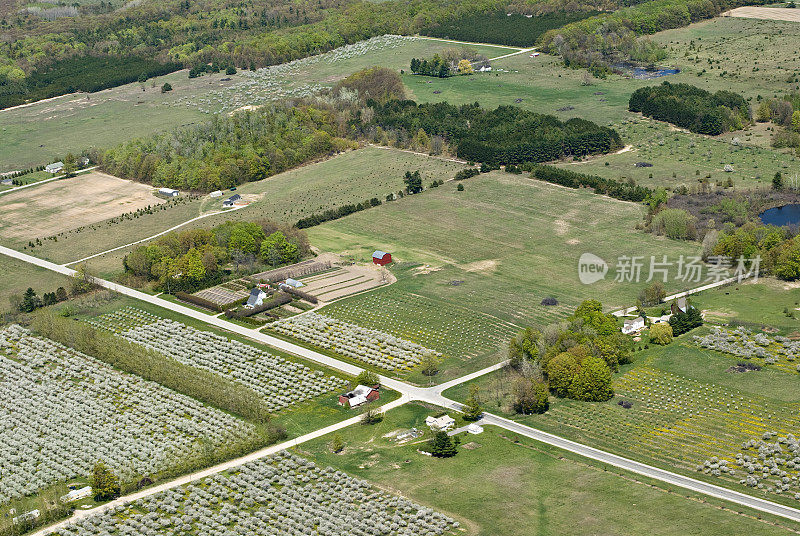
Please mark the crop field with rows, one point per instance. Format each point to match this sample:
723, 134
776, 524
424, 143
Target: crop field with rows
62, 411
281, 495
281, 382
450, 330
371, 346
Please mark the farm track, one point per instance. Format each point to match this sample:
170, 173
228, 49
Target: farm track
432, 395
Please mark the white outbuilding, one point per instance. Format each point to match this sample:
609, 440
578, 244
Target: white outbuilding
168, 192
55, 167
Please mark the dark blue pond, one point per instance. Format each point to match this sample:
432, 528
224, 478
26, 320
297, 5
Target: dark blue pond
643, 73
780, 216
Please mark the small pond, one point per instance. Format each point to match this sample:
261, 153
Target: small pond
643, 73
780, 216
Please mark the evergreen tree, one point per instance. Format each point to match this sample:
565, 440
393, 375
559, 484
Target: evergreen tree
413, 182
442, 446
472, 409
30, 301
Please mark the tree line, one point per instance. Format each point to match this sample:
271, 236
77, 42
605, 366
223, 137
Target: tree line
627, 191
229, 150
505, 135
184, 261
692, 107
501, 28
82, 73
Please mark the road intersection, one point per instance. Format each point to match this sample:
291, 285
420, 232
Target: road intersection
431, 395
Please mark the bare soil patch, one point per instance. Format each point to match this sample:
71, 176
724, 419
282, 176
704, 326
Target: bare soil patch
66, 204
768, 13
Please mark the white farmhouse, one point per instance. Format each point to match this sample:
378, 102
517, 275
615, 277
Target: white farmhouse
256, 298
632, 325
55, 167
443, 423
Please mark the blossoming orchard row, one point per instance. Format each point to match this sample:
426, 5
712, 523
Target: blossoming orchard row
62, 411
282, 495
280, 381
368, 345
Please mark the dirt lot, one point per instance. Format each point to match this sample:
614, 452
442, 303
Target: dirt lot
62, 205
769, 13
344, 281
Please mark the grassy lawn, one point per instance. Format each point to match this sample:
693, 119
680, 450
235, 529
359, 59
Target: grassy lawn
475, 265
19, 275
523, 488
759, 304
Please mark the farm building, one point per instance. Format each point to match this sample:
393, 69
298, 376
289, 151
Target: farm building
443, 423
83, 162
231, 201
294, 283
632, 325
7, 182
169, 192
358, 396
216, 193
256, 298
55, 167
77, 494
381, 258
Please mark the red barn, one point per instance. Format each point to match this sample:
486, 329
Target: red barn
381, 258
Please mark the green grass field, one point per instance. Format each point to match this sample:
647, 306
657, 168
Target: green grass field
44, 132
688, 404
19, 275
485, 258
351, 177
523, 488
759, 304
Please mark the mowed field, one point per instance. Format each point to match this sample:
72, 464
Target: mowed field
474, 266
350, 177
501, 484
66, 204
44, 132
19, 276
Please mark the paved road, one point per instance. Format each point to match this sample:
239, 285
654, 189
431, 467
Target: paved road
210, 471
430, 395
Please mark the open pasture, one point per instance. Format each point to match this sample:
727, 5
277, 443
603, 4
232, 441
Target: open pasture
465, 296
350, 177
57, 422
663, 156
65, 204
499, 483
19, 276
280, 495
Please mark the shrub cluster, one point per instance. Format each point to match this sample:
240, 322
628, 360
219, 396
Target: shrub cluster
610, 187
336, 213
